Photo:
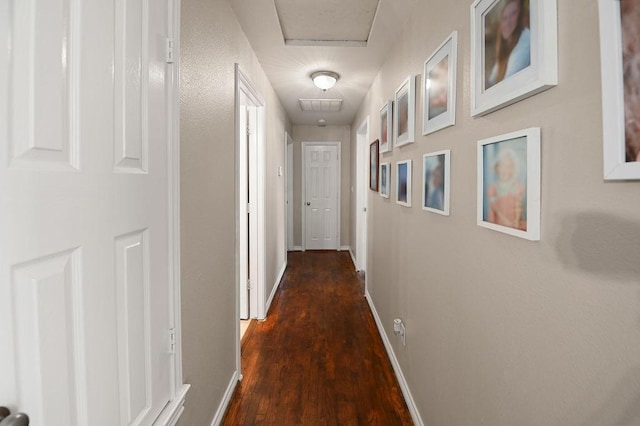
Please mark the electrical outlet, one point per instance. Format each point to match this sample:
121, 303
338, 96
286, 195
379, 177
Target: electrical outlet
399, 330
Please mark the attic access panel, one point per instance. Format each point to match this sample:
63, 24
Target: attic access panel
326, 22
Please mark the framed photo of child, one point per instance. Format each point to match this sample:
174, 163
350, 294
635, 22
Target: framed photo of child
514, 51
509, 183
439, 87
620, 59
435, 181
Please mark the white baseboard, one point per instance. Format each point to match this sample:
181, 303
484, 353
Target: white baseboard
344, 248
296, 248
406, 392
353, 259
275, 287
172, 412
222, 408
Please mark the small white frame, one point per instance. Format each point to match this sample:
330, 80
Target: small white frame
530, 188
386, 118
403, 189
542, 72
613, 104
385, 183
405, 97
443, 158
434, 119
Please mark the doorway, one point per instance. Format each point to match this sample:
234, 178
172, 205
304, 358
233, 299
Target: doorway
362, 188
321, 195
250, 207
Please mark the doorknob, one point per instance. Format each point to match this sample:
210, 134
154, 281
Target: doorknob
8, 419
308, 203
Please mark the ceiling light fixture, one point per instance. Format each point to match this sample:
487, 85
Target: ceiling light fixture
324, 79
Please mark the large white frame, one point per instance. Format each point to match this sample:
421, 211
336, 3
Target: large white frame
447, 49
447, 181
615, 165
533, 183
407, 86
540, 75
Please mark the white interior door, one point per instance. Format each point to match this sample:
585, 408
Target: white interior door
321, 172
84, 213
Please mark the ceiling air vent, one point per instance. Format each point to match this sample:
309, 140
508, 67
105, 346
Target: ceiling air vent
320, 105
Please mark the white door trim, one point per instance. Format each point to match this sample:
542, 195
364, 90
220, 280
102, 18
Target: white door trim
288, 155
175, 408
304, 196
362, 194
257, 300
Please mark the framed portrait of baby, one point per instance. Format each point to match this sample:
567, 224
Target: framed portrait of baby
435, 182
514, 51
439, 87
620, 58
385, 177
509, 183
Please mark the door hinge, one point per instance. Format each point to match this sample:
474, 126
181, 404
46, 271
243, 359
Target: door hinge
172, 340
249, 284
169, 58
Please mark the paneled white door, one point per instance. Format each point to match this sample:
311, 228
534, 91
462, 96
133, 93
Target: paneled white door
84, 211
321, 196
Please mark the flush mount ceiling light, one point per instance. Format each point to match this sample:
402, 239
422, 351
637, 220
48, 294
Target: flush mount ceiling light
324, 79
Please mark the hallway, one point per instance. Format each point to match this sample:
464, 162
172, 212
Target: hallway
318, 358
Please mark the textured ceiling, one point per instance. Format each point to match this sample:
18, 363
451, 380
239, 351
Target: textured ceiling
289, 66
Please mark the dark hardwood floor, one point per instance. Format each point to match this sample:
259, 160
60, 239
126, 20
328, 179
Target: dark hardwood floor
318, 358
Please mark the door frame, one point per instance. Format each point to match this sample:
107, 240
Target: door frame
257, 300
362, 194
304, 191
288, 155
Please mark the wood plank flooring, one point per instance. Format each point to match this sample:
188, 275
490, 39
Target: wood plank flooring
318, 358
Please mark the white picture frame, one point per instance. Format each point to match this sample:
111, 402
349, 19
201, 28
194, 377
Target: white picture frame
439, 87
385, 179
436, 178
404, 112
509, 183
403, 183
386, 127
516, 79
618, 145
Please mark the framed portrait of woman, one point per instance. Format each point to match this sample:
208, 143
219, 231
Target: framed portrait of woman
620, 58
439, 87
404, 112
386, 127
514, 51
509, 183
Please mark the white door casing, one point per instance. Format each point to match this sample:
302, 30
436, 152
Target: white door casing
88, 300
362, 193
289, 207
321, 195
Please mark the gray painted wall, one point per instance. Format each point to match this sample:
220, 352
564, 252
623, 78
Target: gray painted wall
503, 331
212, 41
